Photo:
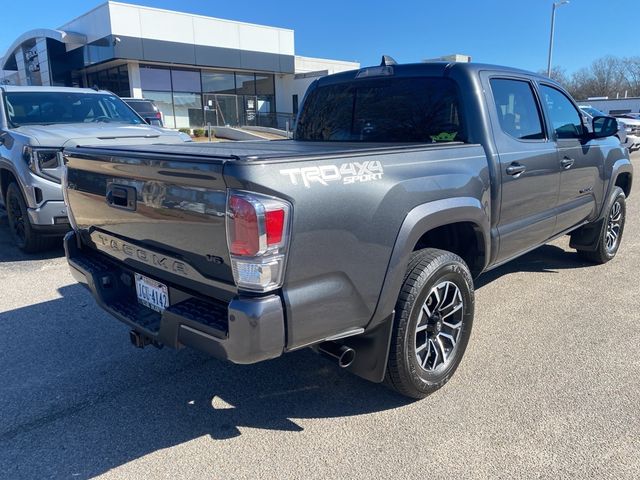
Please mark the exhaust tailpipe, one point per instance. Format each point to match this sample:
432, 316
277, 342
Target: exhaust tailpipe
343, 354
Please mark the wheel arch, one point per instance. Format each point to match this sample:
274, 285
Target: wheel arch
6, 177
624, 181
436, 224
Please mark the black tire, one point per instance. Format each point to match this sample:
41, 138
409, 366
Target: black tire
429, 269
604, 250
24, 236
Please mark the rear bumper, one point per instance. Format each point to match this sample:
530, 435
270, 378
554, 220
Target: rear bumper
246, 330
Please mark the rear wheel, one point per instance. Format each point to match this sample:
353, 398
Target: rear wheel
434, 316
610, 236
24, 236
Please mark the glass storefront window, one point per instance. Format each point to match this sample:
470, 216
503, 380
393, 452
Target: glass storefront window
264, 84
185, 81
245, 84
164, 102
231, 98
158, 79
218, 82
188, 110
115, 79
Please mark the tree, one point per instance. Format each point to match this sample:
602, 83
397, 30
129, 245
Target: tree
608, 76
632, 72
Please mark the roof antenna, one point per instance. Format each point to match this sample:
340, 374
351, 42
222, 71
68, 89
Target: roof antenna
387, 60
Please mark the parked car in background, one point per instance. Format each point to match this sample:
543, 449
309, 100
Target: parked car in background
627, 134
146, 109
630, 115
35, 124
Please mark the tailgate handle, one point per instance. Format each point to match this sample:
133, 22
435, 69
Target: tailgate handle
121, 196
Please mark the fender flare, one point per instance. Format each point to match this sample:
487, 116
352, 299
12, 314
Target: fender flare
622, 165
8, 166
420, 220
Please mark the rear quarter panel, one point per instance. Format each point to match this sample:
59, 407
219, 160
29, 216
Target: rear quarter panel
344, 227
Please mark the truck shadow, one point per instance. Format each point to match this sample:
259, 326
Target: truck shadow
78, 400
546, 259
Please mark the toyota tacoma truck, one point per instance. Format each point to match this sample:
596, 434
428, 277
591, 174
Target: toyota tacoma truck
362, 236
35, 124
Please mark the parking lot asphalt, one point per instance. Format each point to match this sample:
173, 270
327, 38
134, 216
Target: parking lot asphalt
549, 388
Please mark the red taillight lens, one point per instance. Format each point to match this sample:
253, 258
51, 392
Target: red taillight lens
244, 234
258, 238
159, 115
257, 224
274, 220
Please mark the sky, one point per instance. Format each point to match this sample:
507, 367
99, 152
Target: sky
513, 33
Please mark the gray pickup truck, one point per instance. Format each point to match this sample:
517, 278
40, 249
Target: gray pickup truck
35, 124
361, 237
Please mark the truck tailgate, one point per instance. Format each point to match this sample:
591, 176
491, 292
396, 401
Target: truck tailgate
158, 214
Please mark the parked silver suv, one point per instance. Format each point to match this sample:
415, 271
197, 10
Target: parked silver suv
35, 124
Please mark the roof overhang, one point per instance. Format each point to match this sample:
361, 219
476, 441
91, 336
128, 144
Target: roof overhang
69, 38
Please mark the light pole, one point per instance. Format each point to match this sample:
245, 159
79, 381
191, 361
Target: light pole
553, 24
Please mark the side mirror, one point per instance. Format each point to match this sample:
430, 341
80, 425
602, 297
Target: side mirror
604, 127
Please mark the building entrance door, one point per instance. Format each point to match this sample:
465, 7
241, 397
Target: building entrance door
250, 109
221, 110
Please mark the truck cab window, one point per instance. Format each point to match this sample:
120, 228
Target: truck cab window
517, 109
565, 118
413, 109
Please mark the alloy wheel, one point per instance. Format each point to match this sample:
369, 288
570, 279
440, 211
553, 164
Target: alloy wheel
16, 218
439, 326
613, 227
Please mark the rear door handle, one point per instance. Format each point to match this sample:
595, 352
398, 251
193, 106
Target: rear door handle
567, 163
516, 169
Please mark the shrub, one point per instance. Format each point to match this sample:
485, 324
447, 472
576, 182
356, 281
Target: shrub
198, 132
185, 130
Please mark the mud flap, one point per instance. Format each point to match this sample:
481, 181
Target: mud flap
587, 236
372, 351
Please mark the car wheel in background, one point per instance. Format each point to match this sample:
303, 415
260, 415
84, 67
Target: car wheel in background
24, 236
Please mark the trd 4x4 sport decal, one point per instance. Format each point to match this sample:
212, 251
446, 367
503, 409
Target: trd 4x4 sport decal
347, 173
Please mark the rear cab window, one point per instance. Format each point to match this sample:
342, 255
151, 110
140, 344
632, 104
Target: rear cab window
397, 109
141, 107
518, 112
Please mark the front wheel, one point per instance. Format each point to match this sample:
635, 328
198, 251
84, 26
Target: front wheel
610, 236
432, 325
24, 236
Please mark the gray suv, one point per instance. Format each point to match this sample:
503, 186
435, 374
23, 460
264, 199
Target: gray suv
35, 124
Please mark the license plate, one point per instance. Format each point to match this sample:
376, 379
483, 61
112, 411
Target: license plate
152, 294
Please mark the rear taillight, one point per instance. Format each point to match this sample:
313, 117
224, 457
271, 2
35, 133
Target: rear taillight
258, 237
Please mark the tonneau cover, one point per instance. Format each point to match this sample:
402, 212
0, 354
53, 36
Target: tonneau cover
259, 150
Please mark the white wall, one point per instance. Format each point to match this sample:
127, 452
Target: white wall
157, 24
134, 79
606, 106
288, 85
310, 64
94, 24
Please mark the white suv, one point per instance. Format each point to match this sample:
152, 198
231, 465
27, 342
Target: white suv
36, 123
628, 129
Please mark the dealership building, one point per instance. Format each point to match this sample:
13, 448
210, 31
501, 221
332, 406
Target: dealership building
197, 69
